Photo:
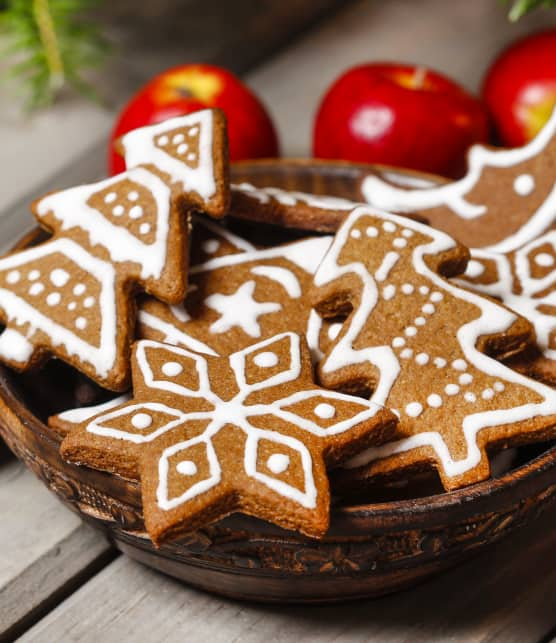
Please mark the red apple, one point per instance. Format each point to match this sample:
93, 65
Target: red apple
188, 88
402, 115
520, 87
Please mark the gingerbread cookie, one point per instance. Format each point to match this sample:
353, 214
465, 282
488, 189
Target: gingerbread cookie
210, 436
524, 280
235, 299
288, 209
190, 153
506, 199
421, 345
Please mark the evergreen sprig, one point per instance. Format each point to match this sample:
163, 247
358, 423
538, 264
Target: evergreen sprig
50, 43
519, 8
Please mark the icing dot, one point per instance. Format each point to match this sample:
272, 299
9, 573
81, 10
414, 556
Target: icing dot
466, 378
145, 228
407, 289
407, 233
428, 309
266, 359
434, 400
118, 210
59, 277
406, 353
424, 290
89, 302
459, 364
410, 331
186, 468
163, 140
133, 195
324, 411
53, 298
439, 362
334, 330
398, 341
419, 321
487, 394
110, 197
399, 243
278, 462
182, 149
171, 369
436, 296
193, 130
36, 289
13, 276
355, 233
141, 420
72, 305
34, 275
498, 386
451, 389
414, 409
389, 292
79, 289
211, 246
371, 231
470, 397
544, 260
474, 269
178, 138
422, 359
81, 323
388, 226
524, 184
136, 212
191, 157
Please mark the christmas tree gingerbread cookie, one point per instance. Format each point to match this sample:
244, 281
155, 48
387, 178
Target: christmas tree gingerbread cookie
424, 347
506, 199
236, 299
190, 153
208, 436
73, 296
524, 280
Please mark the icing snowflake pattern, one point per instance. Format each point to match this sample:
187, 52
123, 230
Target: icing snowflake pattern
267, 411
404, 330
524, 280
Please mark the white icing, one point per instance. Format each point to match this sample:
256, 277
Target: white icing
17, 310
71, 209
389, 291
459, 364
524, 184
407, 289
492, 319
36, 289
414, 409
13, 276
264, 195
281, 275
59, 277
141, 420
474, 269
240, 310
451, 389
406, 353
140, 149
439, 362
422, 359
172, 369
34, 275
356, 234
399, 243
211, 246
325, 411
465, 378
398, 341
371, 231
15, 347
434, 401
389, 261
186, 468
544, 260
76, 416
79, 289
334, 330
380, 193
266, 359
53, 298
278, 463
419, 321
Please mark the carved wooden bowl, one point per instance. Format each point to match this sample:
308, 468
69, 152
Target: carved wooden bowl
384, 541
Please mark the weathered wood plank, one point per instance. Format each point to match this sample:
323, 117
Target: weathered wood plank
44, 548
507, 594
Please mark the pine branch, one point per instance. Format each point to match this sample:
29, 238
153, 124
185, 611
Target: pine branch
50, 44
520, 7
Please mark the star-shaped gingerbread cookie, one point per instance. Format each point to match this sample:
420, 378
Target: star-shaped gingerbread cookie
209, 436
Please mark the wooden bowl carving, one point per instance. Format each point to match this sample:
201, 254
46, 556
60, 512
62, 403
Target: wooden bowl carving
371, 549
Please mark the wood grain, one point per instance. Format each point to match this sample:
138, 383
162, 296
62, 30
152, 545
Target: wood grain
506, 595
43, 548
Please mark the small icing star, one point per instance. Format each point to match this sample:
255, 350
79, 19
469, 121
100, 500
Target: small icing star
240, 309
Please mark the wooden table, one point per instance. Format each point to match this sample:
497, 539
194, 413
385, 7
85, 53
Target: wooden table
59, 580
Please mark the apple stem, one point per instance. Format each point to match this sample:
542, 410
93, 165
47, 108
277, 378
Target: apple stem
419, 76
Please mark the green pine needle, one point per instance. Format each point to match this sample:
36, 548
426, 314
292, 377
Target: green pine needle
49, 44
519, 8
